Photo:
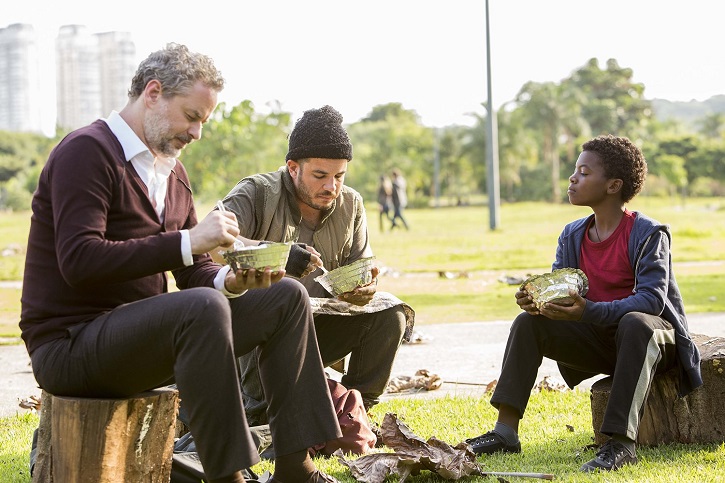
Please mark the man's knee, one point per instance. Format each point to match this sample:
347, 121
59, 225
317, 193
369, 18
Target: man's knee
390, 324
207, 306
289, 290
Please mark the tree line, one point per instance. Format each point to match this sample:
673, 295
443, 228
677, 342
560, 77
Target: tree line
539, 134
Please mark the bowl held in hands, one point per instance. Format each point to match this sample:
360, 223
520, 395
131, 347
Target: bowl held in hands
348, 277
272, 255
554, 287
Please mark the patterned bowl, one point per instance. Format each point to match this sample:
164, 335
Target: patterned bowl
272, 255
348, 277
554, 286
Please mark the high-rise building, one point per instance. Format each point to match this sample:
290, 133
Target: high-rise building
90, 74
94, 73
118, 65
78, 77
20, 99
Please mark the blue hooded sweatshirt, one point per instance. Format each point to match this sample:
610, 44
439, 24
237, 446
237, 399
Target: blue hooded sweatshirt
655, 292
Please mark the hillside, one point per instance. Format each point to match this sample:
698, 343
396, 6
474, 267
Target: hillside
689, 113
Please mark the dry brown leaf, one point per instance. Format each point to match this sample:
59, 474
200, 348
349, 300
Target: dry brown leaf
491, 386
411, 455
31, 402
549, 384
423, 379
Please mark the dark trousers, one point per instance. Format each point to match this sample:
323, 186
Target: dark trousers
631, 351
372, 340
398, 215
193, 338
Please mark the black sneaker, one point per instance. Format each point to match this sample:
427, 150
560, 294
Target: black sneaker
610, 457
492, 442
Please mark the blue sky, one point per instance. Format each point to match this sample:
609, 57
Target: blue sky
429, 55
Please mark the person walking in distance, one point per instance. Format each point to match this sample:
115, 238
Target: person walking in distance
385, 200
400, 199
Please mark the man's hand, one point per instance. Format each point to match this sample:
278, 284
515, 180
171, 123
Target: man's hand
219, 228
565, 312
303, 260
363, 295
241, 280
315, 261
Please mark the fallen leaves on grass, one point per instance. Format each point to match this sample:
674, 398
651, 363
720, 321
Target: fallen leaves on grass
31, 402
550, 384
411, 455
423, 379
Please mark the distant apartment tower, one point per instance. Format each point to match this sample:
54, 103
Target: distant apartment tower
93, 74
78, 77
118, 65
20, 97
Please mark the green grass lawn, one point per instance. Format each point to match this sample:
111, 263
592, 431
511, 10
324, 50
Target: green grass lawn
554, 437
458, 240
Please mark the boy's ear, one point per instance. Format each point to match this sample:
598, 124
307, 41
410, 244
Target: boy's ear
614, 186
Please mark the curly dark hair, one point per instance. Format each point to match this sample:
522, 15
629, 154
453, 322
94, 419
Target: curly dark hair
177, 69
621, 159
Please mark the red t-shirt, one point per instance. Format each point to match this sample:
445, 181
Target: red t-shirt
607, 264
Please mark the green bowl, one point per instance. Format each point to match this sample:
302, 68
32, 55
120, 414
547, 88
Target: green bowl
272, 255
348, 277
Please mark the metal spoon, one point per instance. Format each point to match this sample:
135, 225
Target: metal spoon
220, 206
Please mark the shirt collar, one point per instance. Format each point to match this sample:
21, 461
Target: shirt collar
130, 142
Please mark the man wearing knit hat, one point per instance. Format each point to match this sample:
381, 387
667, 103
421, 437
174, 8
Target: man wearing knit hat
306, 202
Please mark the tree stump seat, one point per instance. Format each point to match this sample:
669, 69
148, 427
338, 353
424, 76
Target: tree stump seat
106, 440
698, 417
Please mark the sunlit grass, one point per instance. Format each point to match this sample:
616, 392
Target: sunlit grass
555, 433
457, 241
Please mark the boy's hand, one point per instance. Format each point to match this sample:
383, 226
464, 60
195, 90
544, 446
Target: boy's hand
565, 312
524, 300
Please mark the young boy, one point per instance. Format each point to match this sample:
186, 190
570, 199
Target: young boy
631, 324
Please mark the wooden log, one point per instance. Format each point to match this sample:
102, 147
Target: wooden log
699, 417
106, 440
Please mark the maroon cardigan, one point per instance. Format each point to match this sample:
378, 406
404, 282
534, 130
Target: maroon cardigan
95, 240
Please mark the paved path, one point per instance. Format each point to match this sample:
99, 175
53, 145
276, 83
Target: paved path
466, 356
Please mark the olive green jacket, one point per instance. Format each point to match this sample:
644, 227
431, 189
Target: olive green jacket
266, 209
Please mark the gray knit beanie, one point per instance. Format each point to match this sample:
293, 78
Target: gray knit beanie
319, 134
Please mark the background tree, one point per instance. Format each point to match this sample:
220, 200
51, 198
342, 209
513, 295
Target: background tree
237, 142
545, 109
711, 125
389, 137
615, 104
22, 155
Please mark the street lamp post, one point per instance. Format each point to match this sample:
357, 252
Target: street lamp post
494, 200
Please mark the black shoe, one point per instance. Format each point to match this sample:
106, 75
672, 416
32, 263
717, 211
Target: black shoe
610, 457
492, 442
